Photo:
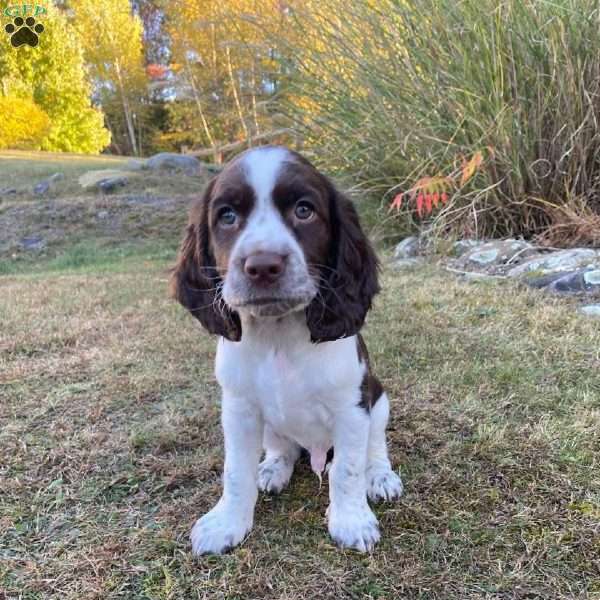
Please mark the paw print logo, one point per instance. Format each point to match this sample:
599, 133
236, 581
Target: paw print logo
24, 32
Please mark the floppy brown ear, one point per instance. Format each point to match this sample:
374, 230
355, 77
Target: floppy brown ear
349, 282
195, 281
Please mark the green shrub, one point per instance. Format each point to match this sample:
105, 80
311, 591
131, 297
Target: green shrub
23, 124
54, 76
396, 90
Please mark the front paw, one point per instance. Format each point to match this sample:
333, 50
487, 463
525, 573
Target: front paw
218, 531
383, 484
354, 528
274, 474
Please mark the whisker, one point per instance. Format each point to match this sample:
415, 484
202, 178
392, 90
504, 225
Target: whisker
327, 285
324, 268
195, 289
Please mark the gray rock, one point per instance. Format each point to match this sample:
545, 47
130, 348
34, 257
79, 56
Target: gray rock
135, 165
103, 214
56, 177
592, 278
572, 282
591, 310
485, 256
33, 242
549, 280
111, 184
7, 191
562, 260
495, 254
39, 189
175, 162
461, 247
90, 180
408, 248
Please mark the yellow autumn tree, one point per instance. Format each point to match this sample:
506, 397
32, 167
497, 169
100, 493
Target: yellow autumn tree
23, 124
111, 36
53, 77
225, 64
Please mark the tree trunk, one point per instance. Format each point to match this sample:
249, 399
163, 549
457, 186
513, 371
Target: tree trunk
126, 110
200, 109
236, 96
254, 109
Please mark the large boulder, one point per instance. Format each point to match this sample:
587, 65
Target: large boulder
168, 161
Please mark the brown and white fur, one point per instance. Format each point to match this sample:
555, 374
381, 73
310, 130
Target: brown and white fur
275, 262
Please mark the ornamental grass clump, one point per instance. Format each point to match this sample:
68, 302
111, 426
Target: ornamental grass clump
395, 92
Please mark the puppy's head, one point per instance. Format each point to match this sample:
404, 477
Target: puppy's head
271, 235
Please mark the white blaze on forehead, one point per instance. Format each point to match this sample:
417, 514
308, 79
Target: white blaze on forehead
262, 167
265, 229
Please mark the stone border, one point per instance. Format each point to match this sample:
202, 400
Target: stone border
573, 271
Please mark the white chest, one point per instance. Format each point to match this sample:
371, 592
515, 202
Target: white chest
297, 386
293, 403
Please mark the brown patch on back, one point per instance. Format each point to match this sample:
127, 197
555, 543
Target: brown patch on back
370, 388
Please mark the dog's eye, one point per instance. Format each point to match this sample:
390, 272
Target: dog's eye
227, 217
304, 210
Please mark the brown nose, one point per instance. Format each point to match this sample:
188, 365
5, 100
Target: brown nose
264, 268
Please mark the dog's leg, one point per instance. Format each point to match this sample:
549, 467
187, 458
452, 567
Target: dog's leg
231, 519
275, 471
382, 482
352, 524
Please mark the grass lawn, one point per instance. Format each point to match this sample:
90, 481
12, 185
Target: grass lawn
77, 227
22, 169
111, 447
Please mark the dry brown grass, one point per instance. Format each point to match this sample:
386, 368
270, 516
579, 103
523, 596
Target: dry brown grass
111, 448
571, 225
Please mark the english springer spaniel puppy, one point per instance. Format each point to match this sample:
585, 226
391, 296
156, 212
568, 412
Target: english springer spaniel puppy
274, 261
